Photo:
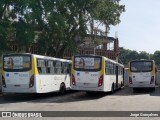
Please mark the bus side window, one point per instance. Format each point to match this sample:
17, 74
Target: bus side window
69, 68
106, 67
58, 67
52, 67
62, 68
39, 65
65, 67
49, 67
115, 70
39, 70
43, 68
48, 70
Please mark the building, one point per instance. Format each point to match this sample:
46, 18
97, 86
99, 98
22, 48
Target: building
96, 45
102, 46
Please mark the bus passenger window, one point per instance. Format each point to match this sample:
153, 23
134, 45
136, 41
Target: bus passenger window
43, 70
62, 68
69, 69
48, 70
39, 70
52, 70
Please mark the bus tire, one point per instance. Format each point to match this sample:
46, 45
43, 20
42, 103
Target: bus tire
134, 89
62, 89
112, 89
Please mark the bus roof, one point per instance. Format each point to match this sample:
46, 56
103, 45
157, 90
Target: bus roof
113, 61
141, 60
100, 56
39, 56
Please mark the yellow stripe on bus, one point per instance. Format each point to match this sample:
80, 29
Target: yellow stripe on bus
102, 72
34, 70
72, 70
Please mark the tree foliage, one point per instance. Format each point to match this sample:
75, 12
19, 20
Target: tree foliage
108, 12
156, 57
127, 55
62, 24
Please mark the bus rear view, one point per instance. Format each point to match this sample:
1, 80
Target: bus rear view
16, 77
87, 73
142, 74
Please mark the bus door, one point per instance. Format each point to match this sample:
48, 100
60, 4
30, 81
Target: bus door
123, 75
116, 77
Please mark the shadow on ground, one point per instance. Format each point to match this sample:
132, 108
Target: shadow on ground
73, 96
70, 96
126, 91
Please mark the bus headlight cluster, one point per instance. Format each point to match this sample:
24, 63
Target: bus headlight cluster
31, 82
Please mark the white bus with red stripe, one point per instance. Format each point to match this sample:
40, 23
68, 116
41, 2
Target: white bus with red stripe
96, 73
142, 74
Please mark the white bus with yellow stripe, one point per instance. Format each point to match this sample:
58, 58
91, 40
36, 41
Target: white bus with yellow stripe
97, 73
30, 73
142, 74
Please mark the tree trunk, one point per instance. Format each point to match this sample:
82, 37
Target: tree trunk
92, 26
3, 10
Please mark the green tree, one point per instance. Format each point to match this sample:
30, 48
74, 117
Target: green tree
67, 24
4, 24
108, 12
127, 55
62, 23
144, 55
156, 57
3, 36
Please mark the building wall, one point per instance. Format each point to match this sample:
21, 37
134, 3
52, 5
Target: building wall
88, 47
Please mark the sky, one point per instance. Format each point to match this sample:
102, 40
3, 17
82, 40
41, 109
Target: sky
140, 26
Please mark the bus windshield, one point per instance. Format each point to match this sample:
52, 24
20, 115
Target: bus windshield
87, 63
17, 63
141, 66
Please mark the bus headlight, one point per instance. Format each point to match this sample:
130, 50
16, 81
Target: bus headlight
100, 82
73, 80
31, 82
130, 80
